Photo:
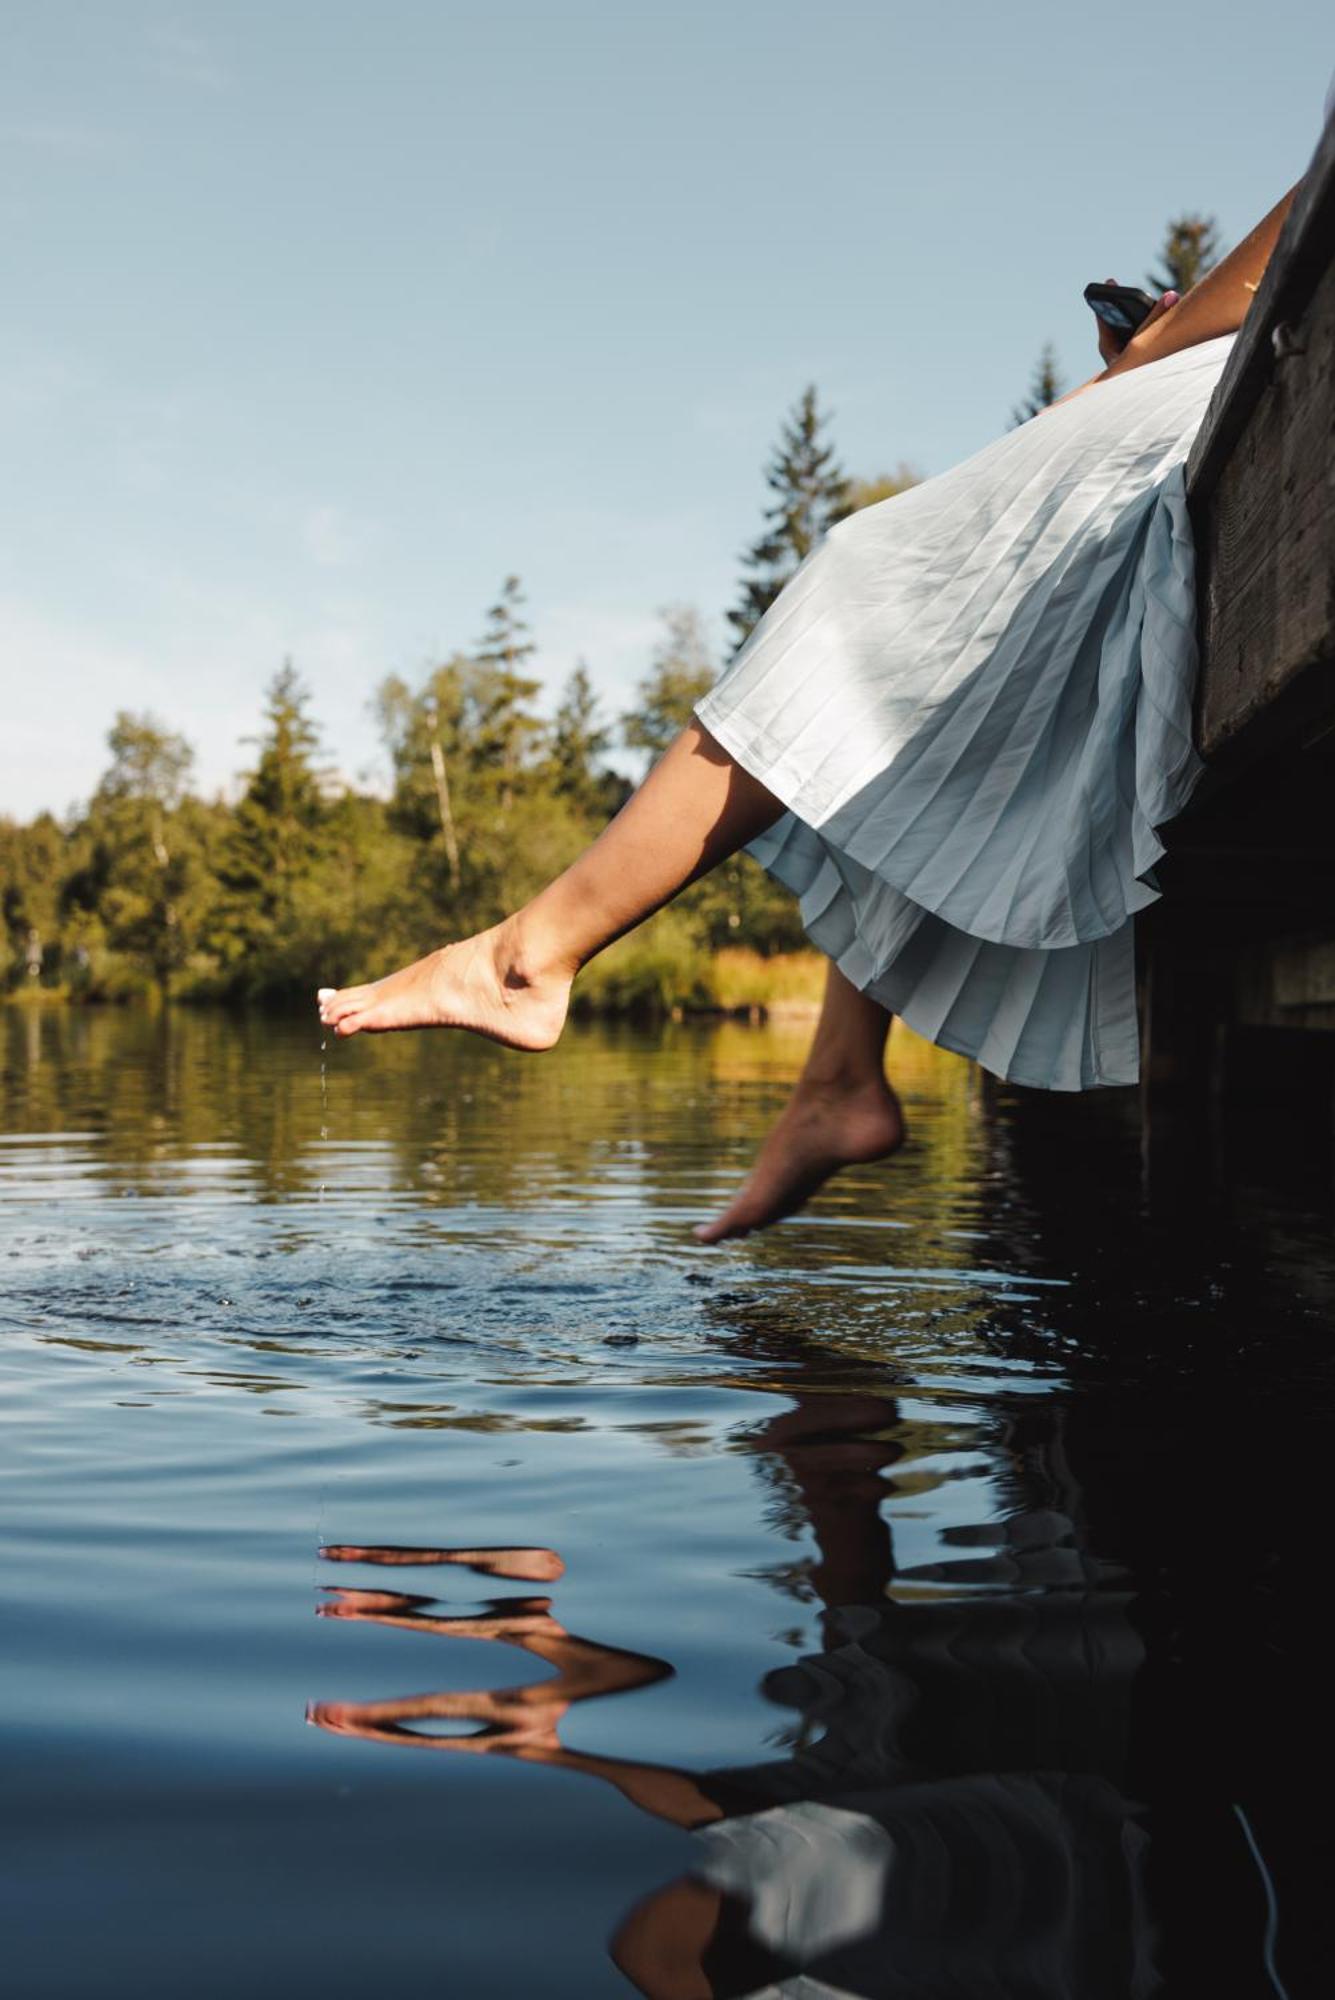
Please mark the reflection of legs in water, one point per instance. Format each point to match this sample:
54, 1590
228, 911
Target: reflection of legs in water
826, 1446
689, 1940
662, 1945
829, 1447
841, 1112
519, 1565
511, 1719
961, 1751
520, 1722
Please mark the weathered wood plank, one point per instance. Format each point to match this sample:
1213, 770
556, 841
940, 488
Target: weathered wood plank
1239, 961
1262, 492
1266, 542
1301, 259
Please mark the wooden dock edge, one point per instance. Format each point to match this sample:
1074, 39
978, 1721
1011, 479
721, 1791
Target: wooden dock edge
1238, 961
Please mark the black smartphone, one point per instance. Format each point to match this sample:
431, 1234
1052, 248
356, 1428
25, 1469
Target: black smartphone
1121, 307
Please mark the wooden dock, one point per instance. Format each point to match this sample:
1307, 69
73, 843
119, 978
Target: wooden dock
1238, 961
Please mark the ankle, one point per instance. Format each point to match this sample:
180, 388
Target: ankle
527, 959
836, 1077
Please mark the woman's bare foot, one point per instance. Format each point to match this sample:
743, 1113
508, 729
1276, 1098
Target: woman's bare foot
488, 983
823, 1127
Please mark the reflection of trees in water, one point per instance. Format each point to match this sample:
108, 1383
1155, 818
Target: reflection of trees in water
448, 1120
157, 1086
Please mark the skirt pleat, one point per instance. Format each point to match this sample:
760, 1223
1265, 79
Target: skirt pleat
974, 700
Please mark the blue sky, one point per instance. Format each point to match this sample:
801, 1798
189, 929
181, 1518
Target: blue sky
322, 317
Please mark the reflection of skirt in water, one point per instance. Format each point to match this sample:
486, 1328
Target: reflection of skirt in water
975, 701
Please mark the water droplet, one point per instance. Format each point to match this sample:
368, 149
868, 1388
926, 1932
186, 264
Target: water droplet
324, 1100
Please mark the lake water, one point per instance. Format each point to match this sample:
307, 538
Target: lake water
426, 1569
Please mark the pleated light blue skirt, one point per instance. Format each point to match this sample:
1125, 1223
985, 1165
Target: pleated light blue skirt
975, 701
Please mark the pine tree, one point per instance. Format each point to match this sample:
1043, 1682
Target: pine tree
1191, 247
283, 808
1044, 390
578, 745
505, 643
504, 733
810, 495
274, 846
679, 673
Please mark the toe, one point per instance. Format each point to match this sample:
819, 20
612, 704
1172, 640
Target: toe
732, 1222
346, 1001
353, 1008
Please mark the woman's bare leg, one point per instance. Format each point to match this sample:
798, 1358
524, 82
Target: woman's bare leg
841, 1111
512, 983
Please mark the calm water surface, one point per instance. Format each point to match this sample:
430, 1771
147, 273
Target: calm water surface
426, 1569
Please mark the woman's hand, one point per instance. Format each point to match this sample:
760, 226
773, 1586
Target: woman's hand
1112, 349
1119, 356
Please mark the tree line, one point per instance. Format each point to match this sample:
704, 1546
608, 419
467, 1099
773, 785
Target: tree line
303, 879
